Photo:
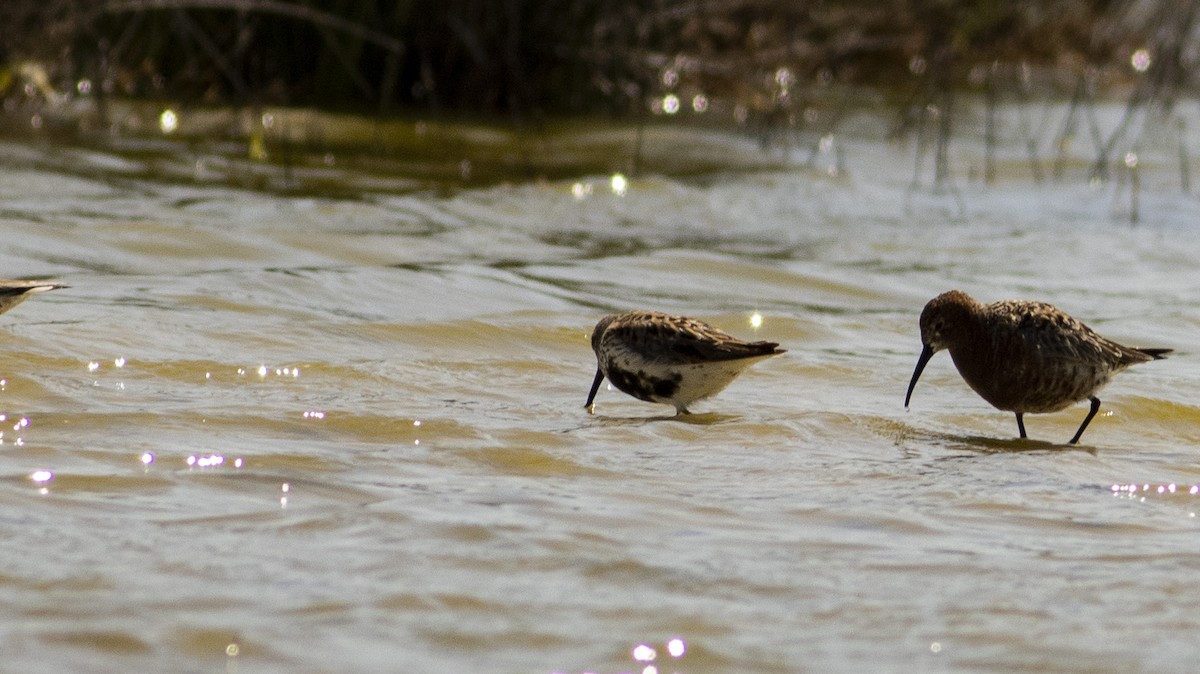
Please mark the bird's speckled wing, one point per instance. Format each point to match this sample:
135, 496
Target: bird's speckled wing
675, 339
1055, 336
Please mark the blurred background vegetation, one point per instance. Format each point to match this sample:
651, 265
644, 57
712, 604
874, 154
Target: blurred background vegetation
763, 65
579, 57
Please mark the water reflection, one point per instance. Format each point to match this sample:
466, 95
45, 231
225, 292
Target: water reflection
982, 444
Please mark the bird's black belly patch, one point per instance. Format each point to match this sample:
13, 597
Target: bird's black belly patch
643, 386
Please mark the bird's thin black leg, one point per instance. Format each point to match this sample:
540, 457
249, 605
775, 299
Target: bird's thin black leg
1021, 424
1086, 420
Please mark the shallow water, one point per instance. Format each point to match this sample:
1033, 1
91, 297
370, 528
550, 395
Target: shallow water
301, 433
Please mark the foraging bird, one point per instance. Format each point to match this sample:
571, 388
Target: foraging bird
13, 293
1023, 357
668, 359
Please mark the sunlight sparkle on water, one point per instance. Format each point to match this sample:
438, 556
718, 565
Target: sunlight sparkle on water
619, 184
1139, 491
647, 654
700, 103
676, 647
41, 476
670, 104
119, 362
263, 371
168, 121
148, 458
756, 320
784, 78
210, 461
314, 414
644, 653
1140, 60
581, 190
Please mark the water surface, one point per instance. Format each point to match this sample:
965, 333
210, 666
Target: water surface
269, 431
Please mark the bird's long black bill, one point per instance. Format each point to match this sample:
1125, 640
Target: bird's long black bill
589, 406
926, 354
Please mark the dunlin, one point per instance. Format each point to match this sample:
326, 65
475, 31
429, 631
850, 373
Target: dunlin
669, 359
1023, 356
13, 293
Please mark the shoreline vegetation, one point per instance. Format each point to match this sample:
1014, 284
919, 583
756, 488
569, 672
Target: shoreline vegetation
483, 91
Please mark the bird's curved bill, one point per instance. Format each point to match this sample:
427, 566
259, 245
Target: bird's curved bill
926, 354
590, 404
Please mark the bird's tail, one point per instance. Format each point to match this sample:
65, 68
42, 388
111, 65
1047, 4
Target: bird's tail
1156, 354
